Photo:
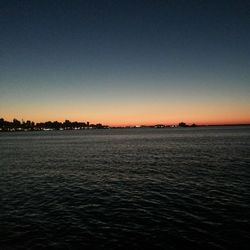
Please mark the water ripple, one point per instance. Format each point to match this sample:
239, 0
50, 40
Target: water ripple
174, 189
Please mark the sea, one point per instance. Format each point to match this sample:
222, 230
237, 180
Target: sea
141, 188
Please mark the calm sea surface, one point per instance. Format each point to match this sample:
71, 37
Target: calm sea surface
126, 188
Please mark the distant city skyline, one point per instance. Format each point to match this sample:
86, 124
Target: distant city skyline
125, 62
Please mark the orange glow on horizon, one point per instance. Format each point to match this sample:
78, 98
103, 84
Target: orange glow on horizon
137, 122
132, 114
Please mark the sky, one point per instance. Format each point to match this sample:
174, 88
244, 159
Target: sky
125, 62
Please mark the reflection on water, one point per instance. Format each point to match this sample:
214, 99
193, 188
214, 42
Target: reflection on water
132, 188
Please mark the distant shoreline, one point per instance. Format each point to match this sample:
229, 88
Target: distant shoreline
28, 126
224, 125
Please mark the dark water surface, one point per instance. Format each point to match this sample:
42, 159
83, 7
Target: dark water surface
130, 188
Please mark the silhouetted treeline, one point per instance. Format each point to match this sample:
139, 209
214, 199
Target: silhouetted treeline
17, 125
184, 125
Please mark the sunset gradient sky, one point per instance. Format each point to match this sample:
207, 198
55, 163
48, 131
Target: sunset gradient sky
125, 62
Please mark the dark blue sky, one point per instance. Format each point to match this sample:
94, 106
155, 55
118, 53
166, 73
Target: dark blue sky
132, 61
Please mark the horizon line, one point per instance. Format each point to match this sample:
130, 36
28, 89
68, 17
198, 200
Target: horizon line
136, 124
